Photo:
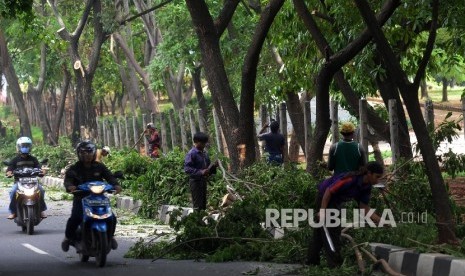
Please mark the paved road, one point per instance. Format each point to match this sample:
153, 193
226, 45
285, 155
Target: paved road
40, 254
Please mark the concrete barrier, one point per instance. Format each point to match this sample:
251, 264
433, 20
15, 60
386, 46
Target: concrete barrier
409, 262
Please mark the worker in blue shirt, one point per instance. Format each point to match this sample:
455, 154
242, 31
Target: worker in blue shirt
332, 193
198, 166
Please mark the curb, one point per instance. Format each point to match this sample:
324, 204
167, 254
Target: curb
122, 202
408, 262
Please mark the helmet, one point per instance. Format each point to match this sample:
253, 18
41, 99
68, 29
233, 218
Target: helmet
150, 125
24, 145
106, 149
347, 128
85, 149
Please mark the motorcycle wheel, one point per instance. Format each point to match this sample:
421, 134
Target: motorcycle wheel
30, 220
101, 248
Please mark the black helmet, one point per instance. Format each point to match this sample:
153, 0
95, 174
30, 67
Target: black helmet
84, 148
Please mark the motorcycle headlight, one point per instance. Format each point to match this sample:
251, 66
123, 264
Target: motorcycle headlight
97, 189
28, 192
95, 216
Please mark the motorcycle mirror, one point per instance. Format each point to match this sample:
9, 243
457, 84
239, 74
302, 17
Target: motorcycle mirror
44, 161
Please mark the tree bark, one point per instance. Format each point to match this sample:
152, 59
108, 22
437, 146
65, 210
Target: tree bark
13, 83
36, 95
389, 91
445, 83
409, 92
61, 106
331, 68
249, 74
83, 74
199, 92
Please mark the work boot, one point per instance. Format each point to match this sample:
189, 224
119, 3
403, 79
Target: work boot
65, 245
113, 243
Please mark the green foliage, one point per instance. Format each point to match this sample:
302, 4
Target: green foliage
453, 163
58, 156
160, 181
16, 8
446, 131
238, 235
130, 162
410, 180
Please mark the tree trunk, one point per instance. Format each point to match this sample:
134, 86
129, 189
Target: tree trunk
332, 68
409, 91
61, 106
175, 87
249, 73
296, 114
238, 127
199, 92
36, 95
85, 115
423, 88
389, 91
13, 84
445, 83
294, 148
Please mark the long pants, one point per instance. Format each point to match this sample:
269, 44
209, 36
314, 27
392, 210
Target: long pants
12, 206
198, 189
319, 242
76, 219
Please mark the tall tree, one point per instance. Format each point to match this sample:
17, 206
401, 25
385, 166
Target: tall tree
13, 84
84, 74
409, 93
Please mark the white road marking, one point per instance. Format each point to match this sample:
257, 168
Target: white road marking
35, 249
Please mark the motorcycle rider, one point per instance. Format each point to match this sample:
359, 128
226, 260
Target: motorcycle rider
84, 170
24, 159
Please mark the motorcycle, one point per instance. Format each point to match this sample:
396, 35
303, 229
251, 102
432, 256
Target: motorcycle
28, 206
94, 237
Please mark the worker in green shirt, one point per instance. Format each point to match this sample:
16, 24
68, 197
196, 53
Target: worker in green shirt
346, 155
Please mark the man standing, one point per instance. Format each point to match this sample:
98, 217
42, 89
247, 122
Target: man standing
346, 155
101, 153
151, 134
198, 166
274, 143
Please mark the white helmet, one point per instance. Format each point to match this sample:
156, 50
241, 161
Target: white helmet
24, 145
107, 149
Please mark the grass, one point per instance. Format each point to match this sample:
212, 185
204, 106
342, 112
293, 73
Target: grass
453, 94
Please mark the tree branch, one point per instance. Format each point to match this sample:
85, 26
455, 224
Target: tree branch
82, 21
99, 36
62, 32
225, 15
385, 49
43, 66
130, 56
144, 12
429, 45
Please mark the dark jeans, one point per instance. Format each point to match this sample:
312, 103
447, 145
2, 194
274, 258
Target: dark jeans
76, 219
319, 242
275, 159
198, 189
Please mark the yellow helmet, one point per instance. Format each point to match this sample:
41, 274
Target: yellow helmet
347, 128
